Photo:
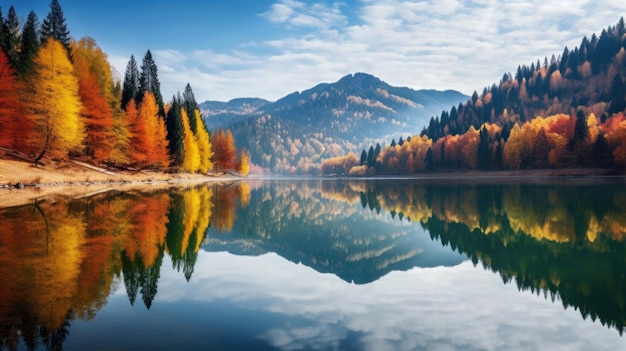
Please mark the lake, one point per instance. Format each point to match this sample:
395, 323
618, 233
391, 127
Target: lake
289, 264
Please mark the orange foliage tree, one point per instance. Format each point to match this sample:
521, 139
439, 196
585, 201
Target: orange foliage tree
97, 118
148, 145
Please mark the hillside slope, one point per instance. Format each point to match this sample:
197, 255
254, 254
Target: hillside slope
293, 134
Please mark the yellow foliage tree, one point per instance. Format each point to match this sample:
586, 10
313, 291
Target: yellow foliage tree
512, 148
191, 161
204, 144
244, 162
53, 103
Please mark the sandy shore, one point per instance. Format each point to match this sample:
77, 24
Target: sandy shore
21, 182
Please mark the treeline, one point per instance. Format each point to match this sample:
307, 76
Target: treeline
565, 112
59, 99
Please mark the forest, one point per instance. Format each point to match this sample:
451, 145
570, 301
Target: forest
567, 112
59, 99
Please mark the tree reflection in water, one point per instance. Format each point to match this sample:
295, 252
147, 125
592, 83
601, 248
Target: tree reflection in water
60, 260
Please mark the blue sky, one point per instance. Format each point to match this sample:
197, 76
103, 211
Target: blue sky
268, 49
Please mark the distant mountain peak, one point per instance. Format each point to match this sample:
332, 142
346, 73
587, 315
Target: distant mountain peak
327, 120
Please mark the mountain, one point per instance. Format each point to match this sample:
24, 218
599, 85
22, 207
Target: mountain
220, 113
293, 134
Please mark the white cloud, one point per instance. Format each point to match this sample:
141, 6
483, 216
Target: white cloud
301, 14
444, 308
420, 44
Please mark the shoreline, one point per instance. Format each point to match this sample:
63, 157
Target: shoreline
22, 183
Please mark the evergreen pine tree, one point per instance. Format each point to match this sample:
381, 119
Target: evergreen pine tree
1, 30
190, 105
618, 95
11, 34
130, 88
54, 26
149, 81
430, 164
370, 157
30, 44
580, 129
175, 132
484, 152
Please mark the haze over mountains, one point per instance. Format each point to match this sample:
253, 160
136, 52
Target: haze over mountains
297, 132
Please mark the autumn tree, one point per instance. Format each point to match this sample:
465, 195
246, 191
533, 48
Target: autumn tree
119, 153
148, 144
244, 162
160, 153
138, 149
54, 104
94, 74
13, 123
191, 161
54, 27
224, 149
97, 119
87, 50
204, 144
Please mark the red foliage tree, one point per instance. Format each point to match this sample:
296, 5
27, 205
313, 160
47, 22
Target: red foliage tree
224, 149
13, 123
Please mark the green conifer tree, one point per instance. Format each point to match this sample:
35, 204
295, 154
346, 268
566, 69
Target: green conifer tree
190, 106
54, 26
11, 40
175, 131
130, 88
149, 81
30, 44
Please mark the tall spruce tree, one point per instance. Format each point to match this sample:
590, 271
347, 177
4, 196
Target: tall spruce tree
11, 34
175, 131
190, 105
54, 26
130, 88
30, 44
149, 81
1, 29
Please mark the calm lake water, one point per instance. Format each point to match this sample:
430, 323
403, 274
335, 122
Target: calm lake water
320, 265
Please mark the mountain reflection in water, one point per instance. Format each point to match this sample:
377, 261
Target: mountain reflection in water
61, 260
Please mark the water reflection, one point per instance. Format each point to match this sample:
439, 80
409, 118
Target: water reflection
320, 225
565, 241
61, 260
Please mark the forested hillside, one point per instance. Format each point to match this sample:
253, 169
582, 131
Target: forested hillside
560, 112
293, 134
